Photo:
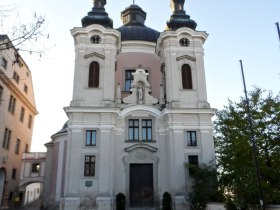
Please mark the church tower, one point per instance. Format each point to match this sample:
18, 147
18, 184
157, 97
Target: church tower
138, 115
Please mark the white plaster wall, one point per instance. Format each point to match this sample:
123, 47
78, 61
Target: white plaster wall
174, 56
32, 193
105, 54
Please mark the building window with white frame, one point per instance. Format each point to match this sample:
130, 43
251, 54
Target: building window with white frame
90, 137
147, 130
133, 130
193, 162
140, 130
191, 138
89, 166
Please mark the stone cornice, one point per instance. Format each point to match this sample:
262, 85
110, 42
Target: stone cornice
18, 94
132, 109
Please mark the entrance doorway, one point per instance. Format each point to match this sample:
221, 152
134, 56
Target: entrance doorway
141, 185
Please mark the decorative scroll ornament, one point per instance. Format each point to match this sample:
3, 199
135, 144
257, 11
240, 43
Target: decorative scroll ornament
140, 88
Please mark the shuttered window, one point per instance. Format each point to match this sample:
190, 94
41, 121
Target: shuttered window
186, 77
93, 76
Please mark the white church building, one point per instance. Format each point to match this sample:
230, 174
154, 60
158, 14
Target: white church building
138, 115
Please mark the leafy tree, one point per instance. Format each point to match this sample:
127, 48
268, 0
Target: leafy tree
235, 152
204, 186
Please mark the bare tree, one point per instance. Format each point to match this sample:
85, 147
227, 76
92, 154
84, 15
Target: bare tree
24, 36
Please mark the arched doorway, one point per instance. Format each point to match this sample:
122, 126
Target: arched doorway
2, 185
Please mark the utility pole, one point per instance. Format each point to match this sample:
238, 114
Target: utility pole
278, 30
252, 137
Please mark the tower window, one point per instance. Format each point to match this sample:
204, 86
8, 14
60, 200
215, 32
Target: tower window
93, 76
89, 167
186, 77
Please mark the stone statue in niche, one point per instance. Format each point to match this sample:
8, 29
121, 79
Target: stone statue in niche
140, 93
140, 88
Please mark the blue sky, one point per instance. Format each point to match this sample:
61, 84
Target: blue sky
237, 30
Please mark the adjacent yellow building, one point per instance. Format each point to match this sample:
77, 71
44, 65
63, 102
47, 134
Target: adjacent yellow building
17, 112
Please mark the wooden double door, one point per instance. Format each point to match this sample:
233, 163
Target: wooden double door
141, 185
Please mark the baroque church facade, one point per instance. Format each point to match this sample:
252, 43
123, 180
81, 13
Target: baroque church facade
138, 115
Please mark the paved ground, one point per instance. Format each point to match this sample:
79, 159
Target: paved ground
32, 206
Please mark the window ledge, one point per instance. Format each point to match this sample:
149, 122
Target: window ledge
181, 89
139, 141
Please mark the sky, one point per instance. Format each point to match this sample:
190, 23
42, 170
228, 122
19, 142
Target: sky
237, 30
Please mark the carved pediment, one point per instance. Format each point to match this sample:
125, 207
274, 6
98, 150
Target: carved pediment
140, 146
94, 54
141, 153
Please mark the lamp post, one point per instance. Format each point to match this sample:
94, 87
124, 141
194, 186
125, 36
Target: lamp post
278, 29
252, 137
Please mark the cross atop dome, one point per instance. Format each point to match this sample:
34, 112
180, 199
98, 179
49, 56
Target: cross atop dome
133, 15
98, 15
179, 18
99, 3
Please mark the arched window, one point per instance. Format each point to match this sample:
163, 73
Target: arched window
93, 75
186, 77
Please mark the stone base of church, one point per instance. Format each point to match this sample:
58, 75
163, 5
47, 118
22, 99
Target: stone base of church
103, 203
70, 203
181, 203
